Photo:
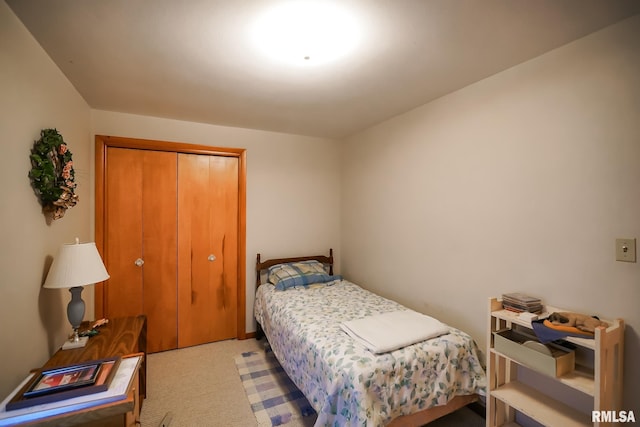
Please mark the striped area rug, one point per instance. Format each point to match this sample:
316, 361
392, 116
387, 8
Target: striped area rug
275, 400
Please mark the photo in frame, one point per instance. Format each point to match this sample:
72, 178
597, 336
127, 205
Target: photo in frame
57, 380
66, 382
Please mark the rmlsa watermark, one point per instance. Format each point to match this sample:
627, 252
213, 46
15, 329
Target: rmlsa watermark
613, 417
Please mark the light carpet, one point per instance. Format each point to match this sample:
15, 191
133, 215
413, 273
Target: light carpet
200, 387
274, 399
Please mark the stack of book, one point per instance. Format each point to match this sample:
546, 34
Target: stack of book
520, 303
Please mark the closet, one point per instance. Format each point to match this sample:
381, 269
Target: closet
170, 227
207, 247
141, 241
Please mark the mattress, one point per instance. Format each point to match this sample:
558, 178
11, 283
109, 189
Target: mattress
347, 384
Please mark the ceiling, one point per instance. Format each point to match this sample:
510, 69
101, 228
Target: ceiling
195, 60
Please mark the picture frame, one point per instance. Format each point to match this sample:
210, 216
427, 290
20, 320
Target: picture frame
56, 380
65, 382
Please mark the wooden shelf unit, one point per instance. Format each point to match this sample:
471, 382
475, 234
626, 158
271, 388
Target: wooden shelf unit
600, 378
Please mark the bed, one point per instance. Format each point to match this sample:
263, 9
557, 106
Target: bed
346, 383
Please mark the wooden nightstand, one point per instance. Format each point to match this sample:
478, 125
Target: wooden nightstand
120, 337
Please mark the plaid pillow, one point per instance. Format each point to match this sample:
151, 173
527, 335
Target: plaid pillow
298, 274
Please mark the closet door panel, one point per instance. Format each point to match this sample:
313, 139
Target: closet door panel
193, 228
207, 248
123, 291
141, 242
159, 249
223, 199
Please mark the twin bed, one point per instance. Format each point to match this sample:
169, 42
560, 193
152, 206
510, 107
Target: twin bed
303, 309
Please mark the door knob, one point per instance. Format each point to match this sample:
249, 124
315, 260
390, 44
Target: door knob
212, 257
139, 262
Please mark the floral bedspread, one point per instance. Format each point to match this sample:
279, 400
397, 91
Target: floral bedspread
346, 384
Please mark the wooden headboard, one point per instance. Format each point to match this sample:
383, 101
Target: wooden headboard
263, 265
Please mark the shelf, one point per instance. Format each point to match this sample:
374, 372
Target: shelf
580, 379
597, 373
513, 317
539, 406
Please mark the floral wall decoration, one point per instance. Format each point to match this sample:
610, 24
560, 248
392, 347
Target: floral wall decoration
52, 175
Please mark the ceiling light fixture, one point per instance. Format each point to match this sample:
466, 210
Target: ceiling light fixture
306, 32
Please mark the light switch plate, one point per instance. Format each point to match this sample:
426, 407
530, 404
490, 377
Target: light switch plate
626, 250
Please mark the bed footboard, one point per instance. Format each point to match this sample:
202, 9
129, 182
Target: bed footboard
432, 414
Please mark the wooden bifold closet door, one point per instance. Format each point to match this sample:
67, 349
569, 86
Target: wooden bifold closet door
169, 225
140, 254
207, 247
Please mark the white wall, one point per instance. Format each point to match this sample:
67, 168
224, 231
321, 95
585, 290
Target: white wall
520, 182
293, 198
35, 96
293, 184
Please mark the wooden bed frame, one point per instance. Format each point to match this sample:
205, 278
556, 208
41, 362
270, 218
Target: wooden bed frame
326, 260
416, 419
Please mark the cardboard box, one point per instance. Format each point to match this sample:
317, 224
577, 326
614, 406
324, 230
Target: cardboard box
550, 359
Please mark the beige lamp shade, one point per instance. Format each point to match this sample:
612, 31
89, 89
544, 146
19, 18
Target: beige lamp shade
76, 264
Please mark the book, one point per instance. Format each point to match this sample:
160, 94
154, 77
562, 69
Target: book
521, 298
117, 390
536, 310
519, 302
65, 382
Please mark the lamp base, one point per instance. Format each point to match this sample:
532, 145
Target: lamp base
82, 341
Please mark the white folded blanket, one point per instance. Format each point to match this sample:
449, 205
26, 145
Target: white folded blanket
385, 332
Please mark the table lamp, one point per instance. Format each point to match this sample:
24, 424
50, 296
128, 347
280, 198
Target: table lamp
75, 266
